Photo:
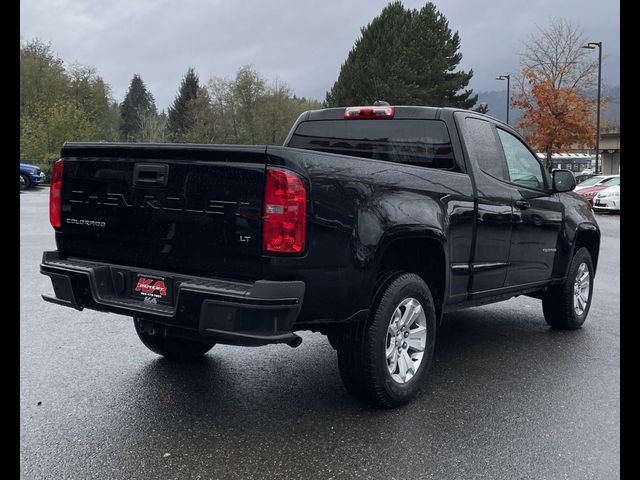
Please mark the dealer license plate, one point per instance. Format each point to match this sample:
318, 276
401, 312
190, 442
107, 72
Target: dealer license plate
152, 289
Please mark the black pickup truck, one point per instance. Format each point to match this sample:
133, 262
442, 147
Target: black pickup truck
367, 225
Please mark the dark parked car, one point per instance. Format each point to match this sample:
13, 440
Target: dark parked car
30, 175
368, 225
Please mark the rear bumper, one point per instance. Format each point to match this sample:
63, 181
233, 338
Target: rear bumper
237, 313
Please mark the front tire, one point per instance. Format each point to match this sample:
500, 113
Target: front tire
25, 182
384, 360
566, 306
174, 348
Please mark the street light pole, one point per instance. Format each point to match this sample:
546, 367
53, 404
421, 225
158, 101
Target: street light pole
506, 77
591, 46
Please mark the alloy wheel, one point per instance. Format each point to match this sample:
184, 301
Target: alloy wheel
581, 289
406, 340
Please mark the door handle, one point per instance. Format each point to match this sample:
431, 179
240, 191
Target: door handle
522, 204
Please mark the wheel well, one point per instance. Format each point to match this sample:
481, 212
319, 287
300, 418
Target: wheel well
422, 256
590, 240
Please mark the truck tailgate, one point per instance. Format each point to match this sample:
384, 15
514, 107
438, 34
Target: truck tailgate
192, 209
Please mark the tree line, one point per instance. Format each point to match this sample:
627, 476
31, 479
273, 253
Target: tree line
246, 109
59, 104
403, 56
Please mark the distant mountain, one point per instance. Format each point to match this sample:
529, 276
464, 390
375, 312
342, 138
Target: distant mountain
497, 102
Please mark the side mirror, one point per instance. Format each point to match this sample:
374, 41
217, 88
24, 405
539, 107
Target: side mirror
563, 181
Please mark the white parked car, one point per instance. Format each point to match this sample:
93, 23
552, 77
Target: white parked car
607, 199
596, 181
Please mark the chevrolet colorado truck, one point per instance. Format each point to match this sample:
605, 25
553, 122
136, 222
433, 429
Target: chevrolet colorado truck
368, 225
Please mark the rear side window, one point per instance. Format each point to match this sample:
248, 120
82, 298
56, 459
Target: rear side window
423, 143
483, 145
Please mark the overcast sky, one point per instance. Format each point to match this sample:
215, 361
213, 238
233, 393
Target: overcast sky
299, 42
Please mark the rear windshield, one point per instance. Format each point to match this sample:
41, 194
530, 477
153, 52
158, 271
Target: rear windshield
423, 143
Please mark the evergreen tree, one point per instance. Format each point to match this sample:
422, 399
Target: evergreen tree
406, 57
137, 105
369, 72
482, 108
181, 115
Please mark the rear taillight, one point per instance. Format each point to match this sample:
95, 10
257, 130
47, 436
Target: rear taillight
54, 194
382, 111
284, 220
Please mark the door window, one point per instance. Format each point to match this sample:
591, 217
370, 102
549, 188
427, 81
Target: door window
524, 167
483, 145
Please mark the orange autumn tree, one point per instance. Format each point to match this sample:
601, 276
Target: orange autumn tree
556, 74
555, 118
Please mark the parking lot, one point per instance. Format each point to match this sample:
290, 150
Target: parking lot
507, 397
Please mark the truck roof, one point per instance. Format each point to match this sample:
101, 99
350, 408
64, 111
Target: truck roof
401, 112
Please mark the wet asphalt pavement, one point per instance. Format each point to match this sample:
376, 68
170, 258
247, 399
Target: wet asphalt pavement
507, 397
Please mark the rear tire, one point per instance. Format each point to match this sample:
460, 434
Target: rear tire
384, 360
174, 348
566, 306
